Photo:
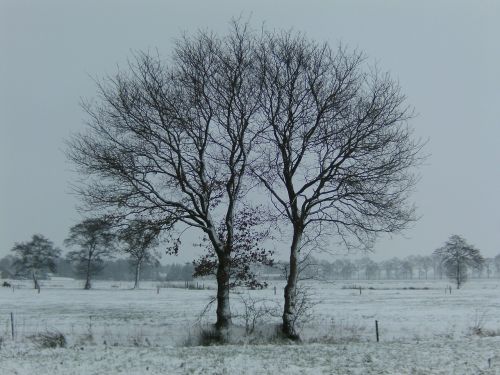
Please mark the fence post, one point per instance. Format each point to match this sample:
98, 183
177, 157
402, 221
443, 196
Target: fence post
12, 324
376, 329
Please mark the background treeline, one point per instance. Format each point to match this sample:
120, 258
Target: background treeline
116, 269
411, 267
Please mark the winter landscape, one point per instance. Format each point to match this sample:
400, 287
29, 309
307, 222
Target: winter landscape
235, 187
114, 330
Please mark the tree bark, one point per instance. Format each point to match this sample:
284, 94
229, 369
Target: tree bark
87, 281
35, 281
289, 314
223, 306
137, 274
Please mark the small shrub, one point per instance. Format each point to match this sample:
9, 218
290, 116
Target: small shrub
49, 340
478, 321
488, 333
304, 306
211, 336
206, 336
477, 326
139, 340
256, 312
279, 338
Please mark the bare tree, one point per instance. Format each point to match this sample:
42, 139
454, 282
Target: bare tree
140, 237
95, 240
337, 156
425, 263
173, 141
437, 266
406, 268
457, 256
489, 266
372, 270
389, 267
369, 266
35, 256
497, 264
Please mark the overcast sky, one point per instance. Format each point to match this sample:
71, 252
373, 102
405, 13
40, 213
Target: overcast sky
445, 54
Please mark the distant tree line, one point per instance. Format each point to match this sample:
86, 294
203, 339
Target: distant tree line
124, 270
413, 267
95, 243
112, 269
439, 265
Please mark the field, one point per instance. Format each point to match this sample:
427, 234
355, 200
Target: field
113, 329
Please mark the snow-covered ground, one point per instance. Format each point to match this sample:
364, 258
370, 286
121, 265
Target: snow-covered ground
113, 329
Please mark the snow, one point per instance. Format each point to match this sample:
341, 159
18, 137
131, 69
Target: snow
113, 329
469, 356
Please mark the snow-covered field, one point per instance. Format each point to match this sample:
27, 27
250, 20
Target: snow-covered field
113, 329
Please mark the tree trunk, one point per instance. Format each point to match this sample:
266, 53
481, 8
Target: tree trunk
87, 281
223, 307
35, 281
289, 313
137, 274
223, 275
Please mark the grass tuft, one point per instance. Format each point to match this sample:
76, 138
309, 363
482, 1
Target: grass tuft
49, 340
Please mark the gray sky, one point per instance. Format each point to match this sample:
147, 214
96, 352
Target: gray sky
445, 55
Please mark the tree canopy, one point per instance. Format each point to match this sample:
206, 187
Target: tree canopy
139, 238
324, 136
35, 256
457, 256
95, 241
